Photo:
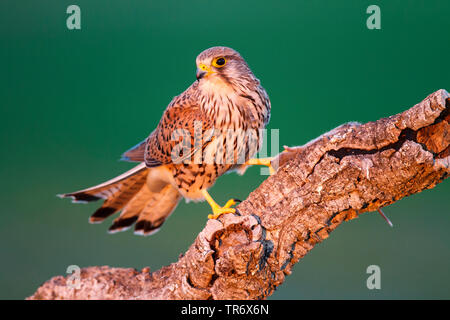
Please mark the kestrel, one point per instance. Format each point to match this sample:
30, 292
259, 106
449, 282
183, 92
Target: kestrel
213, 127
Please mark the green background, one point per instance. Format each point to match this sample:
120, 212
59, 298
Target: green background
73, 101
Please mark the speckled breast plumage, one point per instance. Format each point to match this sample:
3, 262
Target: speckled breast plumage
231, 134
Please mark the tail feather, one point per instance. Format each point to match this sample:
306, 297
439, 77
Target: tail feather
131, 211
106, 189
127, 189
149, 209
130, 193
157, 211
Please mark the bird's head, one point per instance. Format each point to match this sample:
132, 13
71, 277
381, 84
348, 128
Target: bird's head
221, 64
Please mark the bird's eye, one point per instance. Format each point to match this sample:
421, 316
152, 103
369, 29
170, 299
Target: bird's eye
219, 62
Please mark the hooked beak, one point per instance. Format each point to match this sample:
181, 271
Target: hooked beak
202, 71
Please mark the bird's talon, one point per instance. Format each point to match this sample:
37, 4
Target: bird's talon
217, 212
271, 170
262, 162
230, 203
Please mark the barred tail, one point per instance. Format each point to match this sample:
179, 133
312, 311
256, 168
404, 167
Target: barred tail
130, 194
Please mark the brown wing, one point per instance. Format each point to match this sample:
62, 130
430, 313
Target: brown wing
135, 154
176, 131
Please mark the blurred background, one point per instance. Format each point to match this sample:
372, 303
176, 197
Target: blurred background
73, 100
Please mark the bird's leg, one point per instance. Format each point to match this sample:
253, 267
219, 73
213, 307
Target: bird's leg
218, 210
262, 162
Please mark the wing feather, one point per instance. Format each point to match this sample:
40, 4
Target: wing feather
180, 122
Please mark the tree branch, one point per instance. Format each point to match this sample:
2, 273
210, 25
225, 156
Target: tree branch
350, 170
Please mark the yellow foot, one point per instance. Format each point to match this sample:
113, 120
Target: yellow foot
216, 209
262, 162
231, 203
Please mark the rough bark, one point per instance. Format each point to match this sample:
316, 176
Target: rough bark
352, 169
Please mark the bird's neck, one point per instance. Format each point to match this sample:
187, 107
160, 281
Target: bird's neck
227, 102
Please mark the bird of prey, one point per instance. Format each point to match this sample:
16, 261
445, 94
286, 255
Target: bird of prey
213, 127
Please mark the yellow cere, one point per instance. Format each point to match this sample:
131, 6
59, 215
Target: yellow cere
203, 67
